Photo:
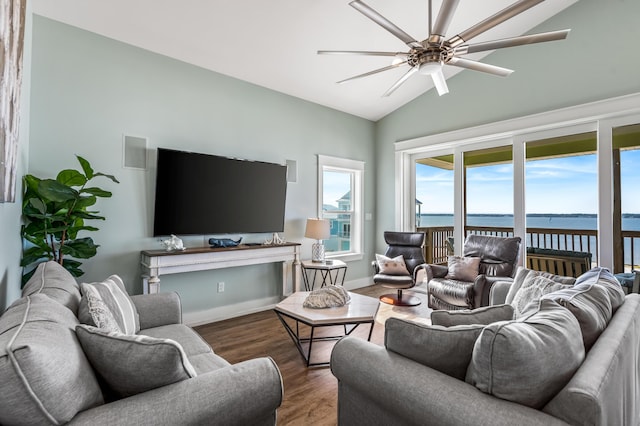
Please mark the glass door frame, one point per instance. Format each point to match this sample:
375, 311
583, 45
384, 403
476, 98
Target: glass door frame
601, 117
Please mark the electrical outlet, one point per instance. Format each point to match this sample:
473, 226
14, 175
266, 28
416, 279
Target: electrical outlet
221, 287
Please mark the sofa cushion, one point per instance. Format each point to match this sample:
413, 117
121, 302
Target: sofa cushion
463, 268
602, 276
591, 306
484, 315
446, 349
114, 295
45, 375
391, 266
532, 288
52, 279
132, 364
530, 360
522, 273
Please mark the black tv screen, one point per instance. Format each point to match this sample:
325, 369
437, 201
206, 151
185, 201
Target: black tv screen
207, 194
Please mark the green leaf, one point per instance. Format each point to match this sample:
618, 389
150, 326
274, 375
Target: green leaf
113, 178
84, 202
82, 248
71, 177
87, 215
38, 204
34, 254
31, 182
86, 167
97, 192
56, 191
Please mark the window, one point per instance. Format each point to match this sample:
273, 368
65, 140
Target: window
340, 201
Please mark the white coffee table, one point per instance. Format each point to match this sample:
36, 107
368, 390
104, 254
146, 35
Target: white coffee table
360, 310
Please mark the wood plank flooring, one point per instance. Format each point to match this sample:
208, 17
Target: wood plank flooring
310, 394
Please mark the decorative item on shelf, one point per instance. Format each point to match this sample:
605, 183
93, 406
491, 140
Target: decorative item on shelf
317, 229
223, 242
275, 240
172, 244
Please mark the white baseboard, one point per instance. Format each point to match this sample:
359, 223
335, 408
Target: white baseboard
229, 311
250, 307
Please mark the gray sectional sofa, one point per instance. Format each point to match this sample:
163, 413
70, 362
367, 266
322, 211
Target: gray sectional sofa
571, 355
55, 371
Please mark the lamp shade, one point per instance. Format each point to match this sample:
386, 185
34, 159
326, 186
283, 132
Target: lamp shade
318, 229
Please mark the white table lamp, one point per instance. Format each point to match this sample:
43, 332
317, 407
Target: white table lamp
318, 229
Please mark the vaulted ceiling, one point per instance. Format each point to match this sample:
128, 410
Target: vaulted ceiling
274, 43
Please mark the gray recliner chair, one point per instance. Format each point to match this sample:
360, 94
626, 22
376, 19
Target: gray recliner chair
498, 261
410, 246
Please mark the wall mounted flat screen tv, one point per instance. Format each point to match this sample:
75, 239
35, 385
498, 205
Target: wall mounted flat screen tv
202, 194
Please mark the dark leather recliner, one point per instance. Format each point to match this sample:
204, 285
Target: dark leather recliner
498, 261
410, 246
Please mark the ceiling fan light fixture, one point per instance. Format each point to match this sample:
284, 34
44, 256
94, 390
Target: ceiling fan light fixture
429, 68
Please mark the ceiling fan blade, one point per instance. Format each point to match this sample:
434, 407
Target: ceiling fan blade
479, 66
384, 23
443, 20
359, 52
498, 18
512, 42
439, 82
366, 74
399, 83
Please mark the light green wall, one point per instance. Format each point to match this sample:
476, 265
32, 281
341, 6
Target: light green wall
89, 90
598, 60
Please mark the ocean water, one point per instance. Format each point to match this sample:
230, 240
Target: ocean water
630, 222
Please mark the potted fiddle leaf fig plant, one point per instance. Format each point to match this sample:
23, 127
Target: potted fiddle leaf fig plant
55, 211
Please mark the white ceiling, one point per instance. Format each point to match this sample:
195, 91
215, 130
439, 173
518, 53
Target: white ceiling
273, 43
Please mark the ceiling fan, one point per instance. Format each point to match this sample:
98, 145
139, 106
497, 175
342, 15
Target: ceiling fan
430, 55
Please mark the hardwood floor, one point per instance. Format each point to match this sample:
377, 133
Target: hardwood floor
310, 394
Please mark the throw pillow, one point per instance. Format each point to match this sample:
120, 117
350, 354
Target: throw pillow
602, 276
533, 287
395, 266
484, 315
446, 349
522, 273
134, 364
114, 295
99, 311
591, 306
528, 361
463, 268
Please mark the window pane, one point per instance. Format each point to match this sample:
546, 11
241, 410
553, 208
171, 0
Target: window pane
434, 205
336, 194
626, 223
562, 193
489, 191
434, 191
337, 205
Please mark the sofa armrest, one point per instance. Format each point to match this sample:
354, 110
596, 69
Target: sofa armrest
245, 393
435, 271
482, 288
498, 292
158, 309
376, 386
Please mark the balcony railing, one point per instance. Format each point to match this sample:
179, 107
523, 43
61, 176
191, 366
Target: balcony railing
586, 240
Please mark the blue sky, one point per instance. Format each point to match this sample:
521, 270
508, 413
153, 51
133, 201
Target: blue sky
560, 185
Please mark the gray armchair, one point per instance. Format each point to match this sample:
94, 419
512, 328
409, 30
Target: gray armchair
498, 259
410, 246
